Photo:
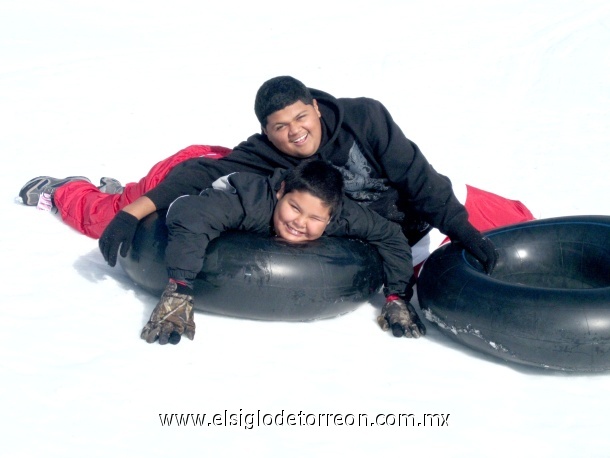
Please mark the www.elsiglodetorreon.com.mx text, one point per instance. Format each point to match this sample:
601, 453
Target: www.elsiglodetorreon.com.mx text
250, 420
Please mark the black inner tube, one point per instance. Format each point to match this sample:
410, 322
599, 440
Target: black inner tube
256, 276
547, 303
553, 254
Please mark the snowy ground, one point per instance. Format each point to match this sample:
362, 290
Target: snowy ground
510, 96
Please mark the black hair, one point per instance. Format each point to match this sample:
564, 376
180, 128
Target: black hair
319, 178
276, 94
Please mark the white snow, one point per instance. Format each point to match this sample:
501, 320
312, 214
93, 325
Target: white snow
509, 96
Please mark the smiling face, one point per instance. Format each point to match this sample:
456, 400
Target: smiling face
295, 130
299, 216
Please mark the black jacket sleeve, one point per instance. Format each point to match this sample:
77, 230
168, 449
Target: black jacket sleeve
194, 221
254, 156
427, 192
357, 221
188, 178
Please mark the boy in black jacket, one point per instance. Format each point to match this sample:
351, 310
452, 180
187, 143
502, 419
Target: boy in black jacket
298, 205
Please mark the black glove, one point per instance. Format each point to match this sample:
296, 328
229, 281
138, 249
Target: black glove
119, 232
172, 317
402, 318
481, 248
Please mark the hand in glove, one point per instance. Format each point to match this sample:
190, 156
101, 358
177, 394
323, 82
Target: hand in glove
401, 317
172, 317
476, 244
481, 248
119, 232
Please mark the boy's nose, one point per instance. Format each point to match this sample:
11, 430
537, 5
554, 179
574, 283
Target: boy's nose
299, 222
293, 128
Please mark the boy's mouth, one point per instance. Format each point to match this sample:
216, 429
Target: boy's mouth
293, 231
300, 140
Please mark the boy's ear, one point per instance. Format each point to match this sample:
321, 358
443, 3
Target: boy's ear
280, 192
315, 106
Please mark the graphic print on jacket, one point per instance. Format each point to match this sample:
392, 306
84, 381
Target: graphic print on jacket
369, 191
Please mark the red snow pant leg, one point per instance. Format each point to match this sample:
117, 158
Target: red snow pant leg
88, 210
489, 211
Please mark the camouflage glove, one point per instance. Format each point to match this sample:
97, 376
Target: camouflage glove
401, 317
172, 317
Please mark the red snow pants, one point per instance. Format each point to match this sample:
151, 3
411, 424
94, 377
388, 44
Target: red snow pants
488, 211
83, 207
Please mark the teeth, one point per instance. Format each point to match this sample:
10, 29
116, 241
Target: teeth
293, 231
300, 139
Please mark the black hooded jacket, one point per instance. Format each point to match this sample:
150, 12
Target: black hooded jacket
381, 166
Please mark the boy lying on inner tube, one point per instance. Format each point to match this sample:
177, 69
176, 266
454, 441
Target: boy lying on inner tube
298, 205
